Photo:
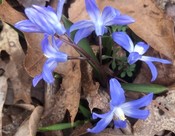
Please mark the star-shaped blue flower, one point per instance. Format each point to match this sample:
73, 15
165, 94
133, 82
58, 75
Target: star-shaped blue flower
119, 108
99, 21
43, 20
136, 53
54, 57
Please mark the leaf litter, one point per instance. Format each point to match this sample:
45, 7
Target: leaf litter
68, 96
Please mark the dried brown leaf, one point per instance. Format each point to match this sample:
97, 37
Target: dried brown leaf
89, 86
29, 3
71, 83
26, 106
14, 70
3, 92
151, 24
29, 126
34, 55
9, 15
162, 116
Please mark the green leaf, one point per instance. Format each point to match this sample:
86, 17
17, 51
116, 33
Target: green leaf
144, 88
61, 126
107, 45
114, 64
123, 74
86, 113
1, 1
129, 73
106, 57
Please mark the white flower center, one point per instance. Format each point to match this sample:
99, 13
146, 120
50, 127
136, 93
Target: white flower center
119, 113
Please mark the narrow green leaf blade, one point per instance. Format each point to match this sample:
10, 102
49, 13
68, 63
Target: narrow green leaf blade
144, 88
86, 113
61, 126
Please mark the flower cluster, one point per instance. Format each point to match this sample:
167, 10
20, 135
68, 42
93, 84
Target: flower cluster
47, 21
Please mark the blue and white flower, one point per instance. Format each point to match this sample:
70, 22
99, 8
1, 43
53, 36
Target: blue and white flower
119, 109
43, 20
99, 21
137, 51
54, 57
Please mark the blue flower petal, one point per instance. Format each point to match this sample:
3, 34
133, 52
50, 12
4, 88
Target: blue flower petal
47, 49
123, 40
92, 10
102, 124
105, 115
100, 29
50, 9
141, 48
48, 68
81, 24
27, 26
109, 14
52, 18
46, 74
56, 43
133, 57
60, 9
82, 33
51, 52
120, 124
116, 92
153, 59
47, 12
136, 113
36, 79
121, 20
153, 70
144, 101
39, 20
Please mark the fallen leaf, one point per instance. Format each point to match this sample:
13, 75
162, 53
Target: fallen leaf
14, 71
99, 100
26, 106
162, 116
3, 92
89, 86
13, 117
29, 3
29, 126
34, 55
151, 24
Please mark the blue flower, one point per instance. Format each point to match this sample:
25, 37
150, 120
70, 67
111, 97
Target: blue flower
54, 57
119, 108
43, 20
99, 21
136, 53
